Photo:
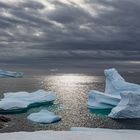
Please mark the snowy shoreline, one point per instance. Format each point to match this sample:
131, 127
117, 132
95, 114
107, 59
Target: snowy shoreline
71, 135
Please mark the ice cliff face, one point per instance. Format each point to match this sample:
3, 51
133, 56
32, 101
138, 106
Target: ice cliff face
129, 106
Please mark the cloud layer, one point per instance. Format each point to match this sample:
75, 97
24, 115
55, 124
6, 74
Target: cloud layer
32, 29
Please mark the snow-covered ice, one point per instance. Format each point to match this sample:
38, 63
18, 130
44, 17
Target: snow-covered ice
129, 106
99, 129
73, 135
44, 116
22, 100
114, 86
4, 73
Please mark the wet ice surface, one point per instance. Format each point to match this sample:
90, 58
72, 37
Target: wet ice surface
72, 90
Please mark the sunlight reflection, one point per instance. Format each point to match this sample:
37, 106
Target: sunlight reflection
71, 89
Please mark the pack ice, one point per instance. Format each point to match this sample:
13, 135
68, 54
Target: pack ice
44, 116
115, 87
4, 73
22, 100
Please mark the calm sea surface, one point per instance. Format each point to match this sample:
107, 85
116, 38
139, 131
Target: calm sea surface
71, 90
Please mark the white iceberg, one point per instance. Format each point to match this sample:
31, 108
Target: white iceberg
129, 106
99, 100
44, 116
114, 86
23, 100
4, 74
115, 83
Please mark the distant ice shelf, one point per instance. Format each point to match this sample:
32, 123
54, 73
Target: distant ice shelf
4, 74
19, 101
44, 116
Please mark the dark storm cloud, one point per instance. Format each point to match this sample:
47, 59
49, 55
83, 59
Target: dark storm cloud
69, 28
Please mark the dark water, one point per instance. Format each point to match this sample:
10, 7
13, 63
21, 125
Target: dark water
72, 90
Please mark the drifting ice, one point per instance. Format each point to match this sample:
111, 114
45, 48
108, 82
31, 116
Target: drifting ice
44, 116
10, 74
114, 86
23, 100
129, 106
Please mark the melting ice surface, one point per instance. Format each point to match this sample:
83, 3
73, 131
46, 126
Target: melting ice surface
22, 100
114, 86
4, 73
44, 116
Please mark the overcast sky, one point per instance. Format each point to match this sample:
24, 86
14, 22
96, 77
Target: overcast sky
32, 29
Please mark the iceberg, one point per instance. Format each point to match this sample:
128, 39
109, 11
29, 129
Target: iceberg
19, 101
115, 83
44, 116
100, 100
129, 106
4, 74
114, 86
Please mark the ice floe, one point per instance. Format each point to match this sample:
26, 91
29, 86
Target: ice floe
129, 106
44, 116
4, 74
114, 86
22, 100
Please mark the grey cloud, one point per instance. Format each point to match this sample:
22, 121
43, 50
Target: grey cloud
30, 27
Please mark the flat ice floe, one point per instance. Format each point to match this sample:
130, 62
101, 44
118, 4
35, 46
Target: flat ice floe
129, 106
22, 100
44, 116
114, 86
4, 74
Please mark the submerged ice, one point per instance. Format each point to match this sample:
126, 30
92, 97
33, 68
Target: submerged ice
4, 73
22, 100
44, 116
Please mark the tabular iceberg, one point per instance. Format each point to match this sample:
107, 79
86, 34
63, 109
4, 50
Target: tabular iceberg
22, 100
4, 73
114, 86
44, 116
129, 106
